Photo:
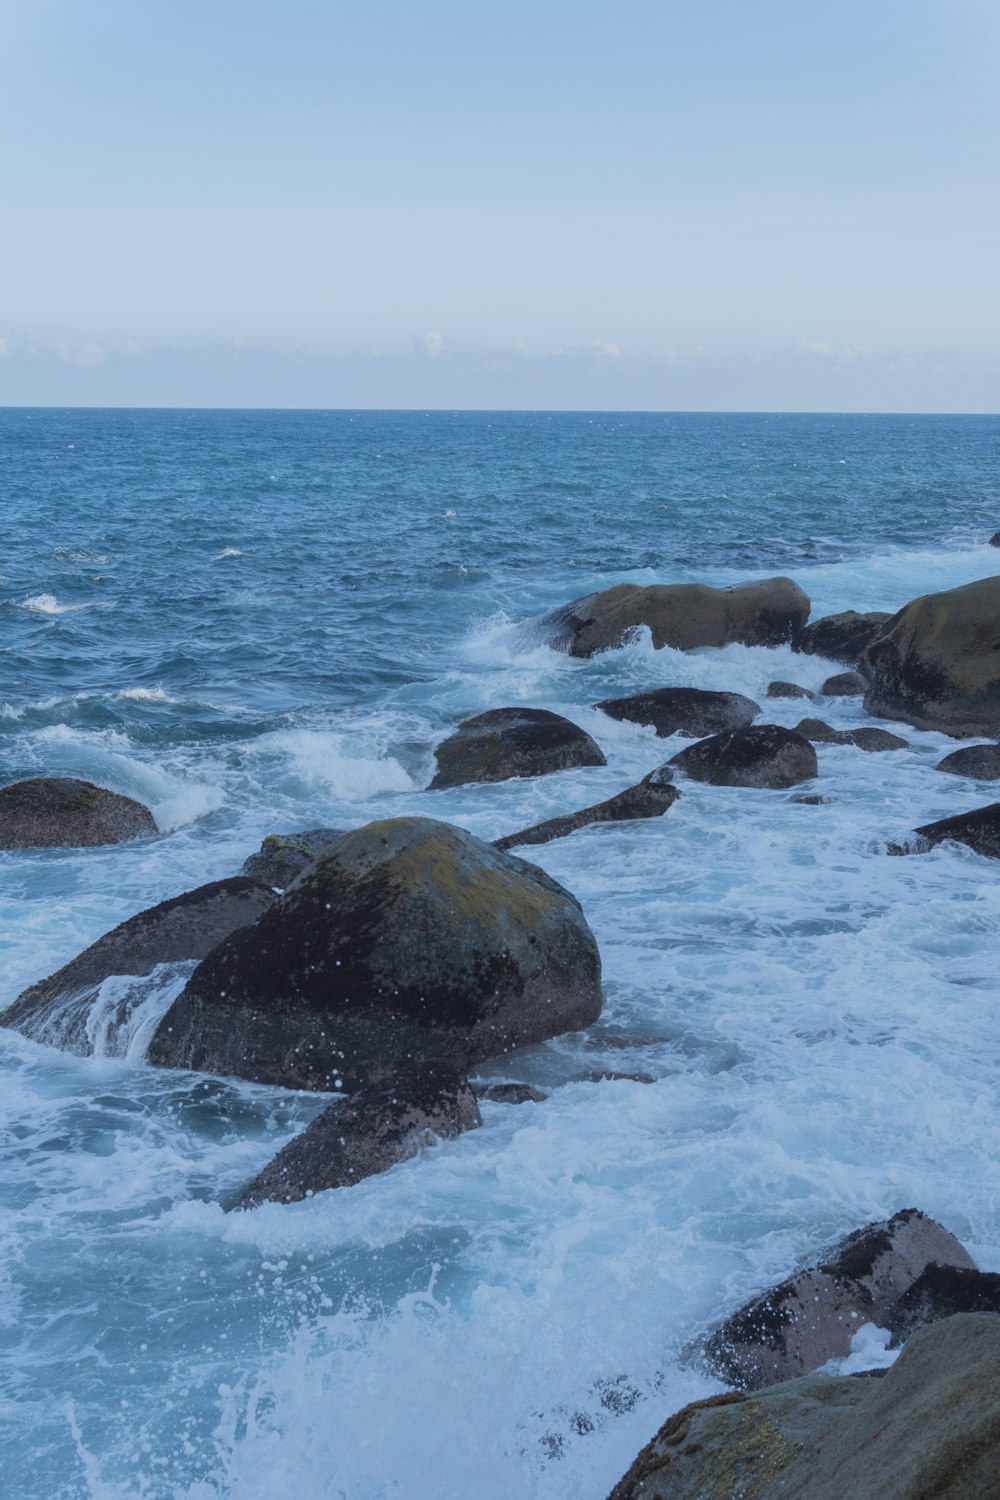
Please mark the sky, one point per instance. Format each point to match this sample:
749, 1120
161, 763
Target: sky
631, 204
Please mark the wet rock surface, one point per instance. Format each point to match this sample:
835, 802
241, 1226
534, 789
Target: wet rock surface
282, 856
506, 742
683, 710
841, 637
941, 1292
406, 939
979, 830
388, 1121
511, 1093
781, 689
867, 737
980, 762
763, 755
51, 812
652, 797
844, 685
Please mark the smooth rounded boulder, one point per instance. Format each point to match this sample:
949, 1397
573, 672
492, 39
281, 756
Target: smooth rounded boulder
685, 616
764, 755
61, 812
842, 637
506, 742
683, 710
844, 685
979, 762
978, 830
282, 856
406, 939
936, 664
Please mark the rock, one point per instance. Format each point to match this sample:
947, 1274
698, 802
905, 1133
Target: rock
512, 1093
819, 732
59, 812
683, 710
686, 616
995, 539
980, 830
185, 927
507, 742
844, 685
282, 856
651, 798
781, 689
840, 637
405, 939
864, 738
765, 755
980, 762
941, 1292
936, 664
384, 1123
929, 1428
809, 1319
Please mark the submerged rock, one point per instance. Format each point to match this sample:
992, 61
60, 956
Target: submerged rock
405, 939
936, 664
683, 710
60, 812
867, 737
781, 689
649, 799
844, 685
385, 1122
507, 742
842, 637
980, 762
929, 1428
511, 1093
764, 755
995, 539
282, 856
809, 1319
686, 616
818, 731
979, 830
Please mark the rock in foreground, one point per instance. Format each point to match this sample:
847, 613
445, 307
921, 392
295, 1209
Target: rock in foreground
405, 940
282, 856
928, 1430
650, 799
765, 755
979, 830
683, 710
384, 1123
979, 762
842, 637
59, 812
686, 616
507, 742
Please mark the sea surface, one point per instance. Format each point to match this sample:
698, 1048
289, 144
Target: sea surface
261, 621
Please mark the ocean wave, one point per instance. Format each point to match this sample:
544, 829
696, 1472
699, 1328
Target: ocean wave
228, 552
146, 695
334, 762
48, 604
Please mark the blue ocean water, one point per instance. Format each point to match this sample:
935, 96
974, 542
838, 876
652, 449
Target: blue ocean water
265, 620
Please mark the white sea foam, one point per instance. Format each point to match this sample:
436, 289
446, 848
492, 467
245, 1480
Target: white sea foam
333, 762
146, 695
228, 552
48, 604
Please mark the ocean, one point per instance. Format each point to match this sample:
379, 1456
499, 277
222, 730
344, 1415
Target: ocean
264, 621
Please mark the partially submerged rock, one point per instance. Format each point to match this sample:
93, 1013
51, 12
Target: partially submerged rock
385, 1122
649, 799
995, 539
185, 927
867, 737
980, 762
60, 812
818, 731
405, 939
683, 710
686, 616
764, 755
282, 856
511, 1093
941, 1292
844, 685
936, 664
507, 742
928, 1430
779, 689
842, 637
796, 1327
979, 830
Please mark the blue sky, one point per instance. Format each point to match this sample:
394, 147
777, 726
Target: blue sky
724, 206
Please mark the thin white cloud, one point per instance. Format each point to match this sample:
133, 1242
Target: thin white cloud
609, 350
78, 354
432, 344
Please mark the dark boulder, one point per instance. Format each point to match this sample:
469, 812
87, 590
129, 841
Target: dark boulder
941, 1292
819, 732
650, 799
995, 539
406, 939
683, 710
507, 742
980, 762
844, 685
511, 1093
781, 689
864, 738
765, 755
53, 812
840, 637
980, 830
929, 1429
686, 616
936, 664
185, 927
282, 856
809, 1319
385, 1122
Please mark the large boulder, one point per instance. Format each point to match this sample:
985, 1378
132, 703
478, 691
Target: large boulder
282, 856
840, 637
979, 830
683, 615
52, 812
405, 939
844, 685
185, 927
928, 1430
764, 755
936, 664
385, 1122
505, 742
941, 1292
796, 1327
683, 710
651, 798
980, 762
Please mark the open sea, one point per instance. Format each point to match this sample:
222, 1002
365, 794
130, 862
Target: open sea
264, 621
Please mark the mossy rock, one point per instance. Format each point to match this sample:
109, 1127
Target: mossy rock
283, 856
60, 812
